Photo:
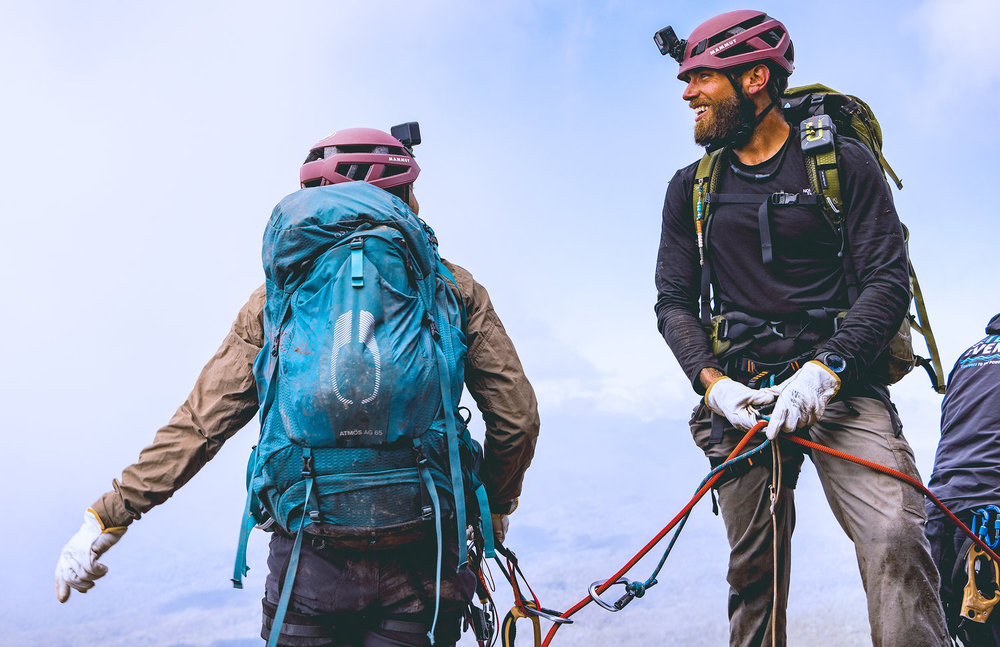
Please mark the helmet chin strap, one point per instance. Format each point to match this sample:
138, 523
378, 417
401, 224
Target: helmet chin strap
743, 133
745, 130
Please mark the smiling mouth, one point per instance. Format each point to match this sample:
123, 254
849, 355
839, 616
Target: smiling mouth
699, 112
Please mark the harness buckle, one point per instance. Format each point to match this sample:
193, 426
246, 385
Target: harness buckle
781, 198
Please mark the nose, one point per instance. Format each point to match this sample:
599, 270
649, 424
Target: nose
690, 92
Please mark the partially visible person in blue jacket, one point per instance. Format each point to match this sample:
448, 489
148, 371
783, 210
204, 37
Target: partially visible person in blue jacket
966, 478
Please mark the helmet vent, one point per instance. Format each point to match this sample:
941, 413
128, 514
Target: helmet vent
749, 23
742, 48
772, 37
392, 169
308, 184
354, 171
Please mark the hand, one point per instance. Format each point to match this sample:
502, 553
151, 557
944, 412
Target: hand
802, 398
501, 523
735, 401
78, 566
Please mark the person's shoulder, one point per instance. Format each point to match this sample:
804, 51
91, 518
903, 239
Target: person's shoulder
683, 179
853, 153
466, 283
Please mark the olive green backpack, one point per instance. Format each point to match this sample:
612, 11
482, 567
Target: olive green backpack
823, 113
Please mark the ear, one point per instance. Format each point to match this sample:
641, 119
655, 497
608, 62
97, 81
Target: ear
755, 80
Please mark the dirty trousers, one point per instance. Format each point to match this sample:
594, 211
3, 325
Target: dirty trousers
883, 516
344, 598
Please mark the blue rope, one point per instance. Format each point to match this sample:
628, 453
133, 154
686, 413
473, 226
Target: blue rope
638, 589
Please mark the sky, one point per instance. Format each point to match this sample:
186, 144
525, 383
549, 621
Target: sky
145, 144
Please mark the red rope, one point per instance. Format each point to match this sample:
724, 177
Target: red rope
663, 533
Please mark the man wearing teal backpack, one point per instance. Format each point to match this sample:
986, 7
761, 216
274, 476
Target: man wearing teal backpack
766, 301
355, 352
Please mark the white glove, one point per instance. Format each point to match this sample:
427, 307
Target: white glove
78, 566
735, 401
802, 398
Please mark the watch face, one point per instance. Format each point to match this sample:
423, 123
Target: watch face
836, 363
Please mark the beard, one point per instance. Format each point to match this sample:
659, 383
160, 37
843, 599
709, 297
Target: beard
730, 120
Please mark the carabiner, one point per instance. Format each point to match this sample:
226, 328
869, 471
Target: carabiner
601, 603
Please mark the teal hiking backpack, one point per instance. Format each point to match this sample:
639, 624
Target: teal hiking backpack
359, 381
823, 114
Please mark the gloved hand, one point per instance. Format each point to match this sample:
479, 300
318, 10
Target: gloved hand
501, 523
802, 398
735, 401
78, 566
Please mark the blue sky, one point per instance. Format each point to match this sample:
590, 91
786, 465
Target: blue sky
144, 145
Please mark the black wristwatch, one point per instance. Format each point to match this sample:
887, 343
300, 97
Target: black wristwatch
832, 361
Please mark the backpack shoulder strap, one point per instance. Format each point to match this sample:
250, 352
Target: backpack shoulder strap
706, 177
819, 151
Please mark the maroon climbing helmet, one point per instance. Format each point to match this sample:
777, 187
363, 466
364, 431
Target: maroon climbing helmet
736, 38
360, 154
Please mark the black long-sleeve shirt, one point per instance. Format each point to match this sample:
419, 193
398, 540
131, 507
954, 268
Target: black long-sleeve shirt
806, 273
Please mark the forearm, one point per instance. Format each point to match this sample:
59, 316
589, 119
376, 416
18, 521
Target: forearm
689, 343
223, 401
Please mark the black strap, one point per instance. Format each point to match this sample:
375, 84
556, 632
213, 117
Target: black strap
764, 212
764, 227
299, 625
718, 429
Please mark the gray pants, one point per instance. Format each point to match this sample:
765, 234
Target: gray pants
883, 516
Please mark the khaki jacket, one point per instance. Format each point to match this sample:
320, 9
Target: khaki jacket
224, 400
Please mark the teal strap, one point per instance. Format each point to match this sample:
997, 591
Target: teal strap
357, 263
436, 502
240, 568
445, 357
446, 273
454, 459
484, 513
293, 565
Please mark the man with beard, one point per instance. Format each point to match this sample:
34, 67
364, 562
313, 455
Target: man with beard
768, 274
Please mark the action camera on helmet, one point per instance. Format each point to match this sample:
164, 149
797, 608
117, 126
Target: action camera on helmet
408, 134
668, 43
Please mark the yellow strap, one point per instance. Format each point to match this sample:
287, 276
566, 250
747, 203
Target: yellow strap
508, 631
924, 328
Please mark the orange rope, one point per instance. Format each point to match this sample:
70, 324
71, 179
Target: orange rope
903, 477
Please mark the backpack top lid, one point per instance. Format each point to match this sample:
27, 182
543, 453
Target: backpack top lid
309, 221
